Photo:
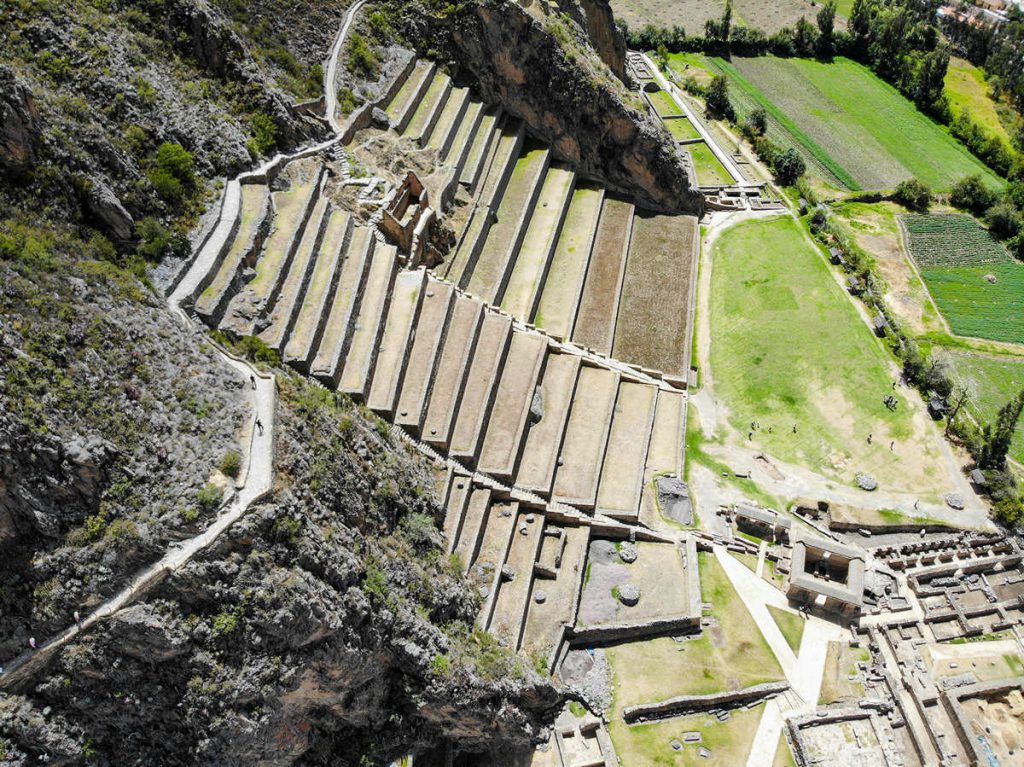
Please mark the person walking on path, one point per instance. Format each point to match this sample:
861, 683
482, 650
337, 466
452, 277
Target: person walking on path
892, 445
869, 439
259, 426
794, 428
32, 642
252, 380
78, 619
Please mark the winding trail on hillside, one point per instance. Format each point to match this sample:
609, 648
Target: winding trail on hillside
257, 476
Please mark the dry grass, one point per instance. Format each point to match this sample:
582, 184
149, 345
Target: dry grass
654, 307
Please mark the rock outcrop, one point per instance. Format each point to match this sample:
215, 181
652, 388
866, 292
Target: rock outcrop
19, 128
597, 20
545, 70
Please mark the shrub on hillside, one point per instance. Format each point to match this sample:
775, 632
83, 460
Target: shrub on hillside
913, 194
264, 134
361, 57
717, 99
230, 464
209, 497
1003, 220
971, 194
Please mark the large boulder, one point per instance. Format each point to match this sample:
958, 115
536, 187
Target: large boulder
19, 123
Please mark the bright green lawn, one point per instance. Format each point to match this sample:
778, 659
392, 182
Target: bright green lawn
966, 88
790, 349
664, 104
710, 172
991, 383
790, 624
859, 126
979, 308
681, 129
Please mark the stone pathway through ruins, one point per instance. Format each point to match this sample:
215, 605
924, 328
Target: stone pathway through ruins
257, 475
804, 672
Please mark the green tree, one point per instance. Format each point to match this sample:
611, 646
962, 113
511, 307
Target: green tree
757, 122
788, 167
264, 134
929, 87
717, 100
805, 37
913, 194
860, 22
996, 437
971, 194
826, 28
1003, 220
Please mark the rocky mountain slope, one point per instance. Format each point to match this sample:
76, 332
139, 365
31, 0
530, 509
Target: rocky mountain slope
326, 626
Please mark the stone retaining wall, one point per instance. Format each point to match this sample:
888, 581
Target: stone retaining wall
617, 632
690, 704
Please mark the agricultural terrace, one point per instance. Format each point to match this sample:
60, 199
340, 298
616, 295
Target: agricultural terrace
991, 382
966, 88
853, 124
691, 14
664, 104
791, 349
977, 285
710, 171
653, 310
682, 129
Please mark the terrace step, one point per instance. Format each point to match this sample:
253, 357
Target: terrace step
429, 110
458, 269
586, 435
491, 271
622, 475
560, 297
337, 334
473, 523
449, 121
405, 102
362, 352
426, 349
459, 490
313, 313
544, 437
283, 315
499, 526
538, 243
595, 324
484, 139
464, 136
503, 439
501, 162
513, 598
292, 209
478, 397
665, 454
396, 342
454, 363
250, 231
545, 622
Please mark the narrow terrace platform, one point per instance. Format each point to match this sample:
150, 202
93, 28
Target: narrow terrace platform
665, 454
459, 490
452, 368
585, 437
534, 256
362, 352
545, 621
426, 348
622, 476
544, 438
503, 439
313, 312
559, 301
394, 348
481, 382
513, 594
330, 354
474, 521
402, 106
595, 321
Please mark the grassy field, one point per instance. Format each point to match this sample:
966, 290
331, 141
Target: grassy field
790, 624
691, 14
710, 172
851, 122
648, 744
664, 104
991, 382
791, 351
966, 88
681, 129
695, 65
783, 754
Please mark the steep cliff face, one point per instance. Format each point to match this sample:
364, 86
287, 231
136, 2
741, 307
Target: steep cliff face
596, 19
543, 68
312, 632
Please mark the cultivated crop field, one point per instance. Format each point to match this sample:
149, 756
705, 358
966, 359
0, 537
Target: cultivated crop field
857, 126
977, 285
691, 14
952, 239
